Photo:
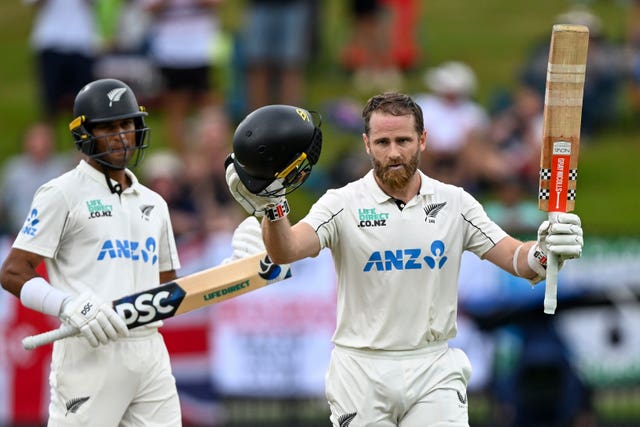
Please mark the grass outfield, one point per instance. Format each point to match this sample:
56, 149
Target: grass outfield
491, 35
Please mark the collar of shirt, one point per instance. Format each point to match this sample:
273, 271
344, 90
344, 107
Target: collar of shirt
98, 176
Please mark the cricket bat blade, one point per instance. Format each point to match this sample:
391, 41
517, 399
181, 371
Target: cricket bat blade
184, 294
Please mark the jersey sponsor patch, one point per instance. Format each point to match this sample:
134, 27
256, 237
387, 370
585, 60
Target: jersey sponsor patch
369, 217
30, 227
97, 209
129, 249
407, 259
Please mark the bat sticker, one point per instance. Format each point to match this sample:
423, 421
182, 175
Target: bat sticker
150, 305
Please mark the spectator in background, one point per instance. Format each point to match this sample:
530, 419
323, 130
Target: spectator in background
514, 141
64, 41
23, 174
454, 122
368, 53
276, 42
183, 36
605, 71
124, 31
211, 139
164, 173
514, 208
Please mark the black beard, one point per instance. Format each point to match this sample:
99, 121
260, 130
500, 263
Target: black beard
398, 178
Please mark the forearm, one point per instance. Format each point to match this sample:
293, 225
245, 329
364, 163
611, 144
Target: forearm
286, 243
277, 236
511, 255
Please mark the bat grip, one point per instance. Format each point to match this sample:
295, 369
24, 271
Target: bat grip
551, 285
34, 341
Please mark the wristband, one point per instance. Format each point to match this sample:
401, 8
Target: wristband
38, 294
515, 259
277, 211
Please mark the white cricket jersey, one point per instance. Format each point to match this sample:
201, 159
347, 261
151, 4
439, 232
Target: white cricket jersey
398, 269
93, 239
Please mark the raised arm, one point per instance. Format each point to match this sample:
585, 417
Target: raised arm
286, 243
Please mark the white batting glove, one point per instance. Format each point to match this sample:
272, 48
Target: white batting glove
562, 238
96, 320
247, 239
274, 208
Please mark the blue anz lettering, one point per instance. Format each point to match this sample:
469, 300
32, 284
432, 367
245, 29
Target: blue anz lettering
414, 255
123, 249
393, 261
374, 260
407, 259
129, 249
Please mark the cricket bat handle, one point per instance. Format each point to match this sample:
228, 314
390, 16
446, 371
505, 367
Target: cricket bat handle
551, 286
34, 341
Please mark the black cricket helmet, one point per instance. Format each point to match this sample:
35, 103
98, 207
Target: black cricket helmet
101, 101
275, 148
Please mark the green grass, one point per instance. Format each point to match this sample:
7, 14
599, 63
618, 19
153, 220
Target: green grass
493, 36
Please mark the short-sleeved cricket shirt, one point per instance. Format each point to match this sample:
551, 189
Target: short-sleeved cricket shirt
398, 266
93, 239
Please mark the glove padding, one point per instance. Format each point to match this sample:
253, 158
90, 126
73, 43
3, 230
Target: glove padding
252, 203
246, 240
562, 238
96, 320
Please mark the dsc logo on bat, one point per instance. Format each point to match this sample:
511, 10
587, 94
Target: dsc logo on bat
150, 305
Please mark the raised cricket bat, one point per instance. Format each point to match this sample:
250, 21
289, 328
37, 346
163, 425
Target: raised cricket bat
561, 133
184, 294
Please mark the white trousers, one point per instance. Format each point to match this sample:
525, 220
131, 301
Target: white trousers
417, 388
126, 383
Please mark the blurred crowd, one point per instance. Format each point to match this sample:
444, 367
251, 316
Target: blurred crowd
178, 57
203, 77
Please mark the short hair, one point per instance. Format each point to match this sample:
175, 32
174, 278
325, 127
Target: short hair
396, 104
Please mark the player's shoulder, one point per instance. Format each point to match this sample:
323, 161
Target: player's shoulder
149, 195
67, 181
445, 191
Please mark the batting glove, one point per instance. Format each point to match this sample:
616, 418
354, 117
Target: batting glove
246, 240
95, 320
562, 238
274, 208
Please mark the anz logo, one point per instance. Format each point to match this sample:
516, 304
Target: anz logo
30, 227
129, 249
407, 259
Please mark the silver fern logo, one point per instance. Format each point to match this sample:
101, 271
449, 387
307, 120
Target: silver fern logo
146, 211
431, 210
74, 404
114, 95
345, 420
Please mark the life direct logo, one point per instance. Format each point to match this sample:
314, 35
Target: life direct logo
129, 249
407, 259
370, 218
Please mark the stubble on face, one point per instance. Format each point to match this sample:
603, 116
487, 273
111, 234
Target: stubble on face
396, 178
